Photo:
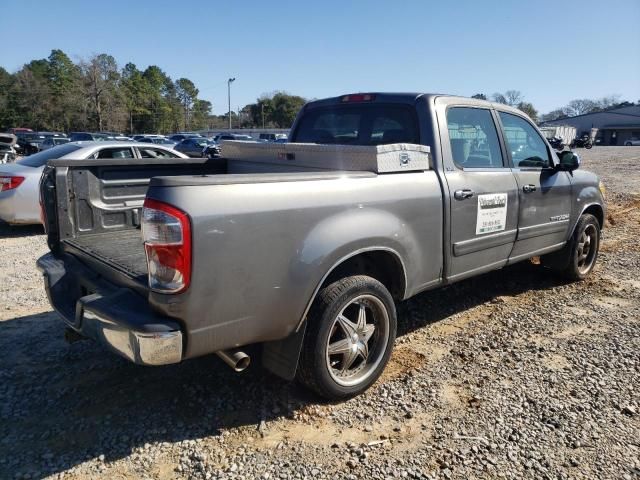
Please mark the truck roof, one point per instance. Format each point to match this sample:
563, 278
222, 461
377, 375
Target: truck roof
407, 98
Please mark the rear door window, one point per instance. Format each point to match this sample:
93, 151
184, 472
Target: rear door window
357, 124
120, 152
156, 153
474, 138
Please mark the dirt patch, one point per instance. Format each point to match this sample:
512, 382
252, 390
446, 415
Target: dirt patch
580, 330
614, 303
556, 362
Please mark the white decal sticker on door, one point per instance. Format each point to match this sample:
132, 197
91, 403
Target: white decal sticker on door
492, 213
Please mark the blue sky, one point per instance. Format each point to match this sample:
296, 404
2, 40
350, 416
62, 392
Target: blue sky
552, 51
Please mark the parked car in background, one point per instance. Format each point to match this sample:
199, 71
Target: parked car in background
212, 150
31, 142
158, 140
27, 141
632, 142
146, 137
178, 137
271, 137
7, 153
17, 130
19, 182
87, 137
51, 142
232, 136
8, 144
193, 146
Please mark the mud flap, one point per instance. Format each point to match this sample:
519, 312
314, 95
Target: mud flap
281, 357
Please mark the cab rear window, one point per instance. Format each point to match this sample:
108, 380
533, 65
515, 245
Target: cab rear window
373, 124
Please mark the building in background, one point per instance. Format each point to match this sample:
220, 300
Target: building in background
611, 127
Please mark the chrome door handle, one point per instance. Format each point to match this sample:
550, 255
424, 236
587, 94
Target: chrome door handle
462, 194
529, 188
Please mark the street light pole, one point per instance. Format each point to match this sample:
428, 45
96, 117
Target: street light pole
262, 105
229, 97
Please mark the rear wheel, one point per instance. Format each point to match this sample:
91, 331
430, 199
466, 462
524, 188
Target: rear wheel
577, 259
350, 334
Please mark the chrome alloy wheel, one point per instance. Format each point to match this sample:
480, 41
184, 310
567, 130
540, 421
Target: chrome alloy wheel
357, 340
587, 248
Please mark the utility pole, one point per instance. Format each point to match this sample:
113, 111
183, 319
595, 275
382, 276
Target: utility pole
262, 106
229, 97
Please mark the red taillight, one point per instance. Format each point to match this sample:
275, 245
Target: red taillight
166, 231
9, 182
359, 97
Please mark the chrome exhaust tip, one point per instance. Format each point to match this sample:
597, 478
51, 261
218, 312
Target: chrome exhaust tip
235, 358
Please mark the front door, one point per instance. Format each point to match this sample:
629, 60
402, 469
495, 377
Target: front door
544, 192
483, 193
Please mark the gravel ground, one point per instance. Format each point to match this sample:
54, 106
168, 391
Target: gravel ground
514, 374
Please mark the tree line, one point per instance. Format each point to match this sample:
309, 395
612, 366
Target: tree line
516, 99
586, 105
513, 98
95, 94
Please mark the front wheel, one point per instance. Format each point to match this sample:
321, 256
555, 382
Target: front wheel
350, 333
588, 145
577, 259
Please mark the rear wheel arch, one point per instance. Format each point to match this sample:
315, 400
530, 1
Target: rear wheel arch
383, 264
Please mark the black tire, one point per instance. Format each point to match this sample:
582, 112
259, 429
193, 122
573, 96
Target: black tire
315, 369
569, 261
588, 146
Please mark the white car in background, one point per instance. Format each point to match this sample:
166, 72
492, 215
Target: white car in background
20, 181
632, 142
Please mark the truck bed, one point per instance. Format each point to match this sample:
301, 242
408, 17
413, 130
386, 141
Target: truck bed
121, 249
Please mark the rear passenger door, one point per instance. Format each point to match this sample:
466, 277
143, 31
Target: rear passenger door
483, 194
545, 193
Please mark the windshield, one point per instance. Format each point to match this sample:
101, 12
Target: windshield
358, 124
39, 159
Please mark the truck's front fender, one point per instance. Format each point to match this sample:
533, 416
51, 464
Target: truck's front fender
587, 199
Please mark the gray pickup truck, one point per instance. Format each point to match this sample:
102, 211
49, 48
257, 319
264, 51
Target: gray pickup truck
167, 259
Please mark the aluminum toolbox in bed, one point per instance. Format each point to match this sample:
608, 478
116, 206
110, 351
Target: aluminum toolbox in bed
397, 157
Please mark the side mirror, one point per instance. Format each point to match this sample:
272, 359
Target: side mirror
569, 161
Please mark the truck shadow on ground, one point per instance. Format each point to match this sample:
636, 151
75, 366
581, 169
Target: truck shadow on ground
11, 231
61, 404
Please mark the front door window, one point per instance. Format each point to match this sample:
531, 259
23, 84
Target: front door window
527, 147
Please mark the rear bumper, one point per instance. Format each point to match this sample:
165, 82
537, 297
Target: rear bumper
118, 318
